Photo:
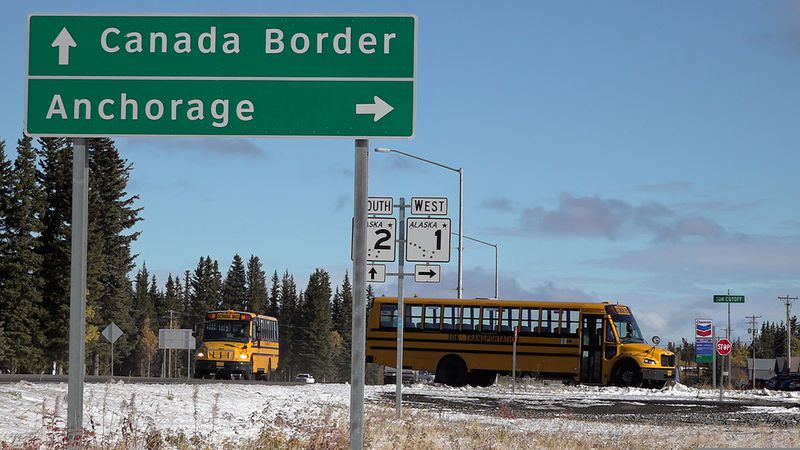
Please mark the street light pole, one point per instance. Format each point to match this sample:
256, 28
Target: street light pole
496, 262
460, 171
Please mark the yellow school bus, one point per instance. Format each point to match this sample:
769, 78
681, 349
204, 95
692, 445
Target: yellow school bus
237, 343
470, 341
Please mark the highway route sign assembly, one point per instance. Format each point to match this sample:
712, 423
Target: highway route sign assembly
198, 75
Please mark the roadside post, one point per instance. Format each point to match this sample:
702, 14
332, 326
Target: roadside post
92, 76
714, 359
514, 362
112, 333
724, 348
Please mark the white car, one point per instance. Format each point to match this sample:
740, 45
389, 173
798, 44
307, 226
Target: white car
304, 378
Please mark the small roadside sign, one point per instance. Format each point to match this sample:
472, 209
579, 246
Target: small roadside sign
729, 299
380, 206
427, 240
112, 332
427, 273
724, 347
176, 339
428, 206
376, 273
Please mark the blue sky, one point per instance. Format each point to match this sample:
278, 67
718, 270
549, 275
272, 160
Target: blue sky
625, 151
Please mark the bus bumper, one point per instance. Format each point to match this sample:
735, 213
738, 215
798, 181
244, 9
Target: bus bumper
658, 374
209, 367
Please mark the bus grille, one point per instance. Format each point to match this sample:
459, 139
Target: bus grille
220, 354
668, 360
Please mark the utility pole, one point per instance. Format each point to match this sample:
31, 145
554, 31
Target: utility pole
753, 343
788, 302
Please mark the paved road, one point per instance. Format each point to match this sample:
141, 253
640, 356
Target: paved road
649, 411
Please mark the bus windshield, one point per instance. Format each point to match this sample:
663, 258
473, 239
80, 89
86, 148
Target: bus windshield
227, 330
627, 328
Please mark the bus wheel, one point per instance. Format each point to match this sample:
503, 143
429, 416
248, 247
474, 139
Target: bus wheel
481, 378
452, 371
627, 374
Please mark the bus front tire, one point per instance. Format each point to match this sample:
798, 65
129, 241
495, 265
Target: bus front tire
627, 374
452, 371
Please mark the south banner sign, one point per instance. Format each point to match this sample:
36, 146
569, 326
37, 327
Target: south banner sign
183, 75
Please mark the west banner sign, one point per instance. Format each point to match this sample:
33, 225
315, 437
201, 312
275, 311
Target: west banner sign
192, 75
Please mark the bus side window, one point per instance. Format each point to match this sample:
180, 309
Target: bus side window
491, 316
550, 321
510, 319
530, 320
471, 318
570, 321
432, 317
413, 317
452, 317
388, 316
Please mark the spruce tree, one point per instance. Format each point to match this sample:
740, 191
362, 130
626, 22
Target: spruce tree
20, 298
55, 179
274, 309
289, 315
345, 330
316, 356
257, 295
234, 289
336, 309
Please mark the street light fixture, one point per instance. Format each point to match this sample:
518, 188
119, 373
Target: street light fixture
460, 171
496, 259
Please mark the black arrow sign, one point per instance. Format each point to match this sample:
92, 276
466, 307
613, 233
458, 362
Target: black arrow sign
429, 273
372, 273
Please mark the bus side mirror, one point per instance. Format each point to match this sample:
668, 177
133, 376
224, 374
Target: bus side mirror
656, 340
194, 331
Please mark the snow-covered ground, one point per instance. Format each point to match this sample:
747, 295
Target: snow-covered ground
239, 412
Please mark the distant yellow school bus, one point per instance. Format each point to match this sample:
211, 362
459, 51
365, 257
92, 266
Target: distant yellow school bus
470, 341
237, 343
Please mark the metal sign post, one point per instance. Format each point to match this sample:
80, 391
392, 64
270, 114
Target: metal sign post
357, 359
400, 309
77, 292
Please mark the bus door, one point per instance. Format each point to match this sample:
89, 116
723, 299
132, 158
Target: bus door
592, 349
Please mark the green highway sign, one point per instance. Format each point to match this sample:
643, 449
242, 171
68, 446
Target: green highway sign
184, 75
729, 299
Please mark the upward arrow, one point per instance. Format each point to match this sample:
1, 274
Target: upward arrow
63, 41
372, 273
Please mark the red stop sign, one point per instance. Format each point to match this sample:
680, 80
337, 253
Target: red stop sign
724, 347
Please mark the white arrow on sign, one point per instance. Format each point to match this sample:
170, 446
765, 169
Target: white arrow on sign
64, 41
380, 108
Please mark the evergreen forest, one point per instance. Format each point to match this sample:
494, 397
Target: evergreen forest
35, 240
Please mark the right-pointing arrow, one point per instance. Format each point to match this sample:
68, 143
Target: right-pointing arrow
429, 273
380, 108
63, 41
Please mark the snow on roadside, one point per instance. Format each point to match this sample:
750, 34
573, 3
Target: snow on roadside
240, 411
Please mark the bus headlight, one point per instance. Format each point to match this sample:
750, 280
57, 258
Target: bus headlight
200, 354
648, 361
244, 356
